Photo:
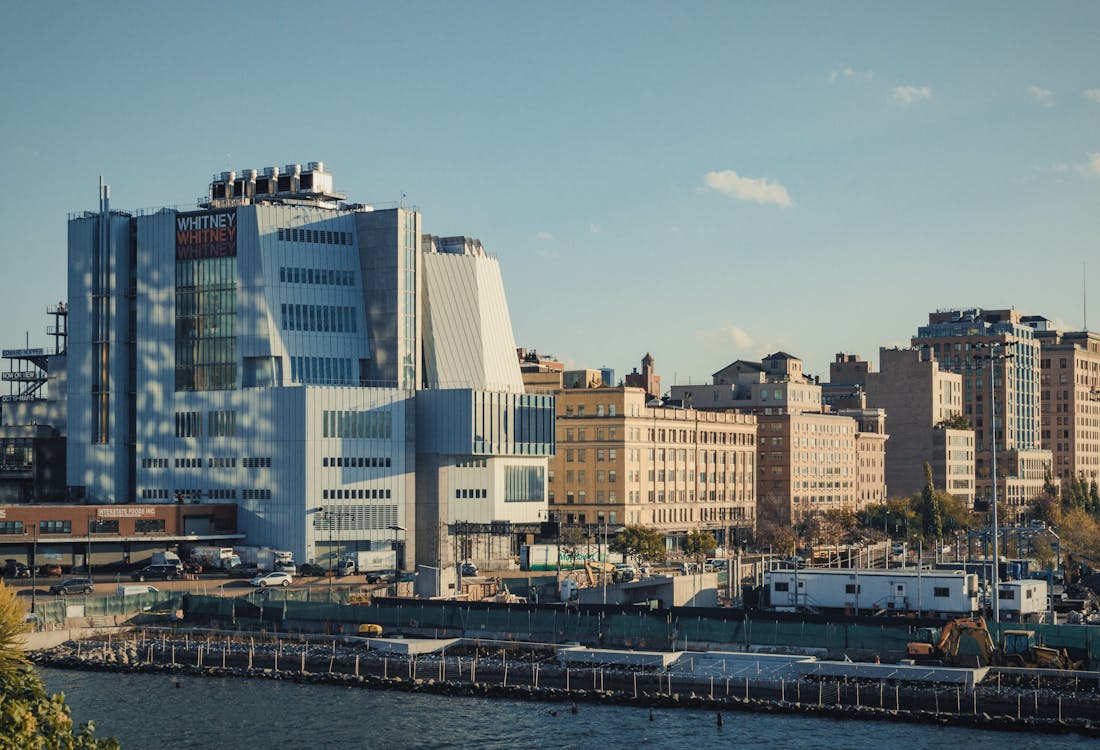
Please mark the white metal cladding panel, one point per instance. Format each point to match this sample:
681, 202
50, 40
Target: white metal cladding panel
444, 422
81, 246
453, 344
354, 517
101, 468
268, 294
252, 309
501, 366
463, 476
516, 512
156, 325
468, 338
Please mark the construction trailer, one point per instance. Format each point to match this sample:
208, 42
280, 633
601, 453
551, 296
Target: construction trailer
934, 593
1023, 601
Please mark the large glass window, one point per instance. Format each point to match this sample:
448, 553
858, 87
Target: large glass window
524, 484
206, 320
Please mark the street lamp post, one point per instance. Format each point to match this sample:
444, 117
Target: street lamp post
396, 567
996, 352
34, 569
88, 561
886, 533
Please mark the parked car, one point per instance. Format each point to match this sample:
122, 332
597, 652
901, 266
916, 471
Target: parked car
469, 569
50, 570
380, 577
16, 569
309, 569
72, 586
272, 579
135, 590
156, 573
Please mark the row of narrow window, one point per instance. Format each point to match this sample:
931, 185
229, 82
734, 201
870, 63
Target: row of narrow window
356, 461
322, 371
356, 494
316, 236
329, 276
323, 318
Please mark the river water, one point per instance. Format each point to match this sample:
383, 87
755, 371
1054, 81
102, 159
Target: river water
148, 712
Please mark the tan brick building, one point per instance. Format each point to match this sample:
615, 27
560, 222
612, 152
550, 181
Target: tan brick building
620, 462
871, 442
1070, 396
808, 460
920, 399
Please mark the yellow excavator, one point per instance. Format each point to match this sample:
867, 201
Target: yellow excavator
967, 643
596, 570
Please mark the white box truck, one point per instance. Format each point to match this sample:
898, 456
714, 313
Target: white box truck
216, 558
266, 559
372, 561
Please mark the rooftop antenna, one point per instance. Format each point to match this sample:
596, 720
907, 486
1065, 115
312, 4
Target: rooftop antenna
1085, 294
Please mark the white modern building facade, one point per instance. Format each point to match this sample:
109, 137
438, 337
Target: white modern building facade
275, 348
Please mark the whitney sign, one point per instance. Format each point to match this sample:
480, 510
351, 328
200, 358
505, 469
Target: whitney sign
206, 234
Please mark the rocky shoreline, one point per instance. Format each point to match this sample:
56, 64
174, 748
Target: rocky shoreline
97, 662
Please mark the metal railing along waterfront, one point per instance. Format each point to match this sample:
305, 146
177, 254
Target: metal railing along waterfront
533, 667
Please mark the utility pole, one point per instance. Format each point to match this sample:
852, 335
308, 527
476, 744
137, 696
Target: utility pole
996, 352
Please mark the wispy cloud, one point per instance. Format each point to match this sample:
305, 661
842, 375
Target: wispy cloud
759, 189
850, 74
1092, 95
544, 237
731, 340
1041, 95
910, 94
1090, 167
595, 228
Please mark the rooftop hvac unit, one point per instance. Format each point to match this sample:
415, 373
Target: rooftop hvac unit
315, 179
287, 181
221, 184
218, 190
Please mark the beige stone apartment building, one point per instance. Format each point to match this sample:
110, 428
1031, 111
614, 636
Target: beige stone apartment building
808, 460
871, 442
620, 462
1069, 383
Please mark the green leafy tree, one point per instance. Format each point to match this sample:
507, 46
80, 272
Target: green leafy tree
957, 422
642, 543
1080, 533
1047, 507
931, 517
1042, 551
773, 524
30, 718
699, 544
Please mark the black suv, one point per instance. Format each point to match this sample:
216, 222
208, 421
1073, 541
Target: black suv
72, 586
16, 569
157, 572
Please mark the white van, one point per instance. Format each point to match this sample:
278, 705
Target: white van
136, 589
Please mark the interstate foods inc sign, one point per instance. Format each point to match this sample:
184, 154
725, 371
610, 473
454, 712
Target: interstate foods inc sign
206, 234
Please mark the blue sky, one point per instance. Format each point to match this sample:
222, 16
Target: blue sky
702, 181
